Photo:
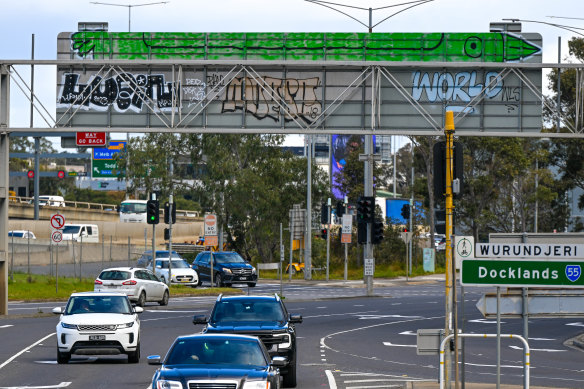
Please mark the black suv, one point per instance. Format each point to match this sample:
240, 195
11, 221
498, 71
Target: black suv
228, 268
263, 316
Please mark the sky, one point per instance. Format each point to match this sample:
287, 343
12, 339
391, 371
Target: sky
46, 19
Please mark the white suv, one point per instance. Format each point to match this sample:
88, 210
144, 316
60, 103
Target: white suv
181, 273
98, 324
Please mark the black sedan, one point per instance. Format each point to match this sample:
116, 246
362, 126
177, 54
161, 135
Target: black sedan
217, 360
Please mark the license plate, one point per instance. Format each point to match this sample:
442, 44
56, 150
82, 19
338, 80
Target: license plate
96, 337
184, 280
243, 278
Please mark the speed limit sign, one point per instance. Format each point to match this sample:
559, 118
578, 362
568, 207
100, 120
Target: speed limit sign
57, 236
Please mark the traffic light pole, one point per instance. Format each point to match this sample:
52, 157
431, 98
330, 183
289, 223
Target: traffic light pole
449, 284
328, 237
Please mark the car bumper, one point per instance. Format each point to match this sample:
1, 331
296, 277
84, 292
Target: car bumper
235, 278
119, 342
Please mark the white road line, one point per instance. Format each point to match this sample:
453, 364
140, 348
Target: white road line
331, 379
61, 385
25, 350
7, 325
398, 345
538, 349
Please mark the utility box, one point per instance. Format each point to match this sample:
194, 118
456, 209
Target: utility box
428, 342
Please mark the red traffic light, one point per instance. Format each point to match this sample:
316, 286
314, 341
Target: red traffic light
61, 174
30, 174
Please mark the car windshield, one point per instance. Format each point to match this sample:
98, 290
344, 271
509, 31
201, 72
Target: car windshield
133, 208
246, 311
205, 351
111, 275
228, 258
71, 229
176, 264
98, 304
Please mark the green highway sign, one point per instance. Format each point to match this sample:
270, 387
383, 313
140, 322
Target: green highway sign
521, 273
103, 168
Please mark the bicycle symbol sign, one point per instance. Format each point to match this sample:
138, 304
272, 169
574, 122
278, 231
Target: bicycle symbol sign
57, 221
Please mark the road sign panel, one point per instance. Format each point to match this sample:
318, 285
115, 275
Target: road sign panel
347, 229
533, 273
57, 221
369, 267
104, 169
211, 230
530, 250
90, 139
544, 304
57, 236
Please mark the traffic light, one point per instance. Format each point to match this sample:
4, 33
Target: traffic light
169, 211
405, 211
152, 216
439, 157
377, 231
340, 209
166, 234
362, 233
323, 233
324, 213
365, 209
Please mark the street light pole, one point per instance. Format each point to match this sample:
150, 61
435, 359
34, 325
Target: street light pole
129, 6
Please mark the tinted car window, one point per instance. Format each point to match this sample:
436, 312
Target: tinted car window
216, 351
228, 258
244, 311
115, 275
98, 304
175, 264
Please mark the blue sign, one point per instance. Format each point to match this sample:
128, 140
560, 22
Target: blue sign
573, 272
109, 152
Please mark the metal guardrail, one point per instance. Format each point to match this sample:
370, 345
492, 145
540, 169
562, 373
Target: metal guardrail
98, 206
186, 248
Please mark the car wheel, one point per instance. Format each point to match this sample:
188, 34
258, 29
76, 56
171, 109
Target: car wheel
290, 377
63, 358
251, 284
218, 280
164, 300
142, 299
134, 356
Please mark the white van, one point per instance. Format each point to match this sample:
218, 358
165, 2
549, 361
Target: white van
133, 211
51, 201
81, 232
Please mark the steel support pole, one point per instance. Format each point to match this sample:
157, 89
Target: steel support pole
308, 231
449, 282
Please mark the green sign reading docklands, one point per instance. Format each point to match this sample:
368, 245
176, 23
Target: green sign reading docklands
521, 273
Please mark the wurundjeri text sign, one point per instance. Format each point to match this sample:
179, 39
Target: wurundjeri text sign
297, 81
530, 250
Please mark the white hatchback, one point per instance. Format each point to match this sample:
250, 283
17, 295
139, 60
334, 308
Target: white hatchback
98, 324
140, 285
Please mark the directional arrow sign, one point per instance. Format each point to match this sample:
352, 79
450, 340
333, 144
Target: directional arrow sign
540, 305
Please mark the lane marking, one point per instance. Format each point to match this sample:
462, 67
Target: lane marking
61, 385
26, 349
7, 325
331, 379
538, 349
398, 345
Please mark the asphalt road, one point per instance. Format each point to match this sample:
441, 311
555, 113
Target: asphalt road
347, 340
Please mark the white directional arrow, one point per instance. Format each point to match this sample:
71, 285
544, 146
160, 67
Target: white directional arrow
484, 321
538, 349
398, 345
578, 324
408, 333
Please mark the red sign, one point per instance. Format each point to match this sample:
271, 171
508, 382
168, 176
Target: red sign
30, 174
90, 139
61, 174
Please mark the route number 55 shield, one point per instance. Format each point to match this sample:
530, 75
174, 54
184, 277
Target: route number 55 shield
573, 272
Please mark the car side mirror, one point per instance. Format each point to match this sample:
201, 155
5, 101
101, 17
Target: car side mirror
279, 361
199, 319
57, 310
138, 309
153, 359
295, 318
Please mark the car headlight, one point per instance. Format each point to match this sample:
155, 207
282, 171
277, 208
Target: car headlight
70, 326
253, 270
256, 385
165, 384
125, 325
227, 271
285, 340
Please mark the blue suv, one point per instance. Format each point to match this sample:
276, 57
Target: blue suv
228, 268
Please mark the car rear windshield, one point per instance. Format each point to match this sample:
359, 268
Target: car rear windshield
114, 275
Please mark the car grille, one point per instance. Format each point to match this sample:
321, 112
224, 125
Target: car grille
181, 278
241, 272
268, 339
212, 385
96, 327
